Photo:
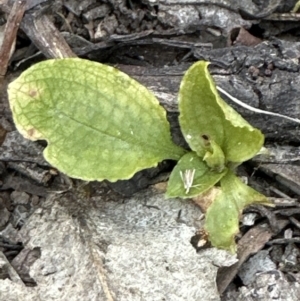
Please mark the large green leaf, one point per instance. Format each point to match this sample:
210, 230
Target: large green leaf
205, 117
191, 177
222, 217
99, 123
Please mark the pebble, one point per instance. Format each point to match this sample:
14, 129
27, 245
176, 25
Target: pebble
19, 197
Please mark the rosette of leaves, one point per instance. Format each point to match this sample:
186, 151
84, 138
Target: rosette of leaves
220, 140
101, 124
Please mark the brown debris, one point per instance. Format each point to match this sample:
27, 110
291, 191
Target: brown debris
253, 241
205, 200
240, 36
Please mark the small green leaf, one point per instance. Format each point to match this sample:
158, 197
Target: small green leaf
214, 157
204, 114
222, 217
191, 177
99, 123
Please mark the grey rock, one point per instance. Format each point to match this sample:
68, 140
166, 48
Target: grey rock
260, 262
270, 286
101, 249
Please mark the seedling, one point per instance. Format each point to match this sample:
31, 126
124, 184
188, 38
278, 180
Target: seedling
101, 124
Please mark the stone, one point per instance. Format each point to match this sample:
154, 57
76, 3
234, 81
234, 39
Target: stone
103, 249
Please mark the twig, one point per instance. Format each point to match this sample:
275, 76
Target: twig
255, 109
42, 32
292, 17
10, 33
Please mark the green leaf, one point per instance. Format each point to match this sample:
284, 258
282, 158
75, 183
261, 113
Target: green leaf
205, 116
222, 217
191, 177
99, 123
214, 157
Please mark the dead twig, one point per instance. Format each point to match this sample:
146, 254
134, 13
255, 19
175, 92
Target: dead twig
10, 33
292, 17
42, 32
